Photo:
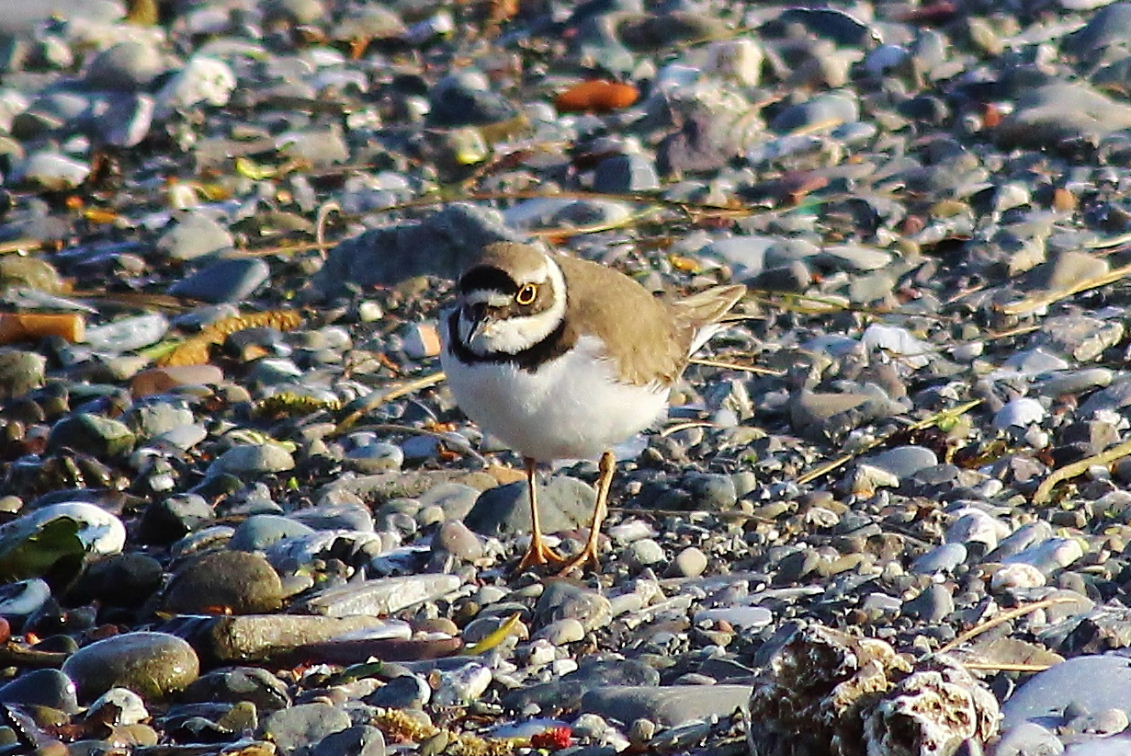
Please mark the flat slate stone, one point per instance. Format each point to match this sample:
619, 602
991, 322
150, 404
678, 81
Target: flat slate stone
671, 705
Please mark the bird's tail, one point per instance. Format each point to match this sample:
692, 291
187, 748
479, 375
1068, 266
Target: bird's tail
701, 311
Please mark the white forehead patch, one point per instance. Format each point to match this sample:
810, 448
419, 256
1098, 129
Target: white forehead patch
514, 334
490, 297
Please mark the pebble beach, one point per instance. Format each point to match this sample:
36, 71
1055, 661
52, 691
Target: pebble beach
889, 513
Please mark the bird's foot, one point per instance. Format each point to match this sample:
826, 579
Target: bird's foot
538, 554
588, 556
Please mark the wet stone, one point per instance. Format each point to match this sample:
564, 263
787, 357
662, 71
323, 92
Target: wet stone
564, 504
261, 531
20, 372
562, 600
127, 65
99, 436
42, 687
223, 281
294, 729
127, 580
194, 235
251, 684
153, 665
238, 582
359, 740
669, 705
402, 692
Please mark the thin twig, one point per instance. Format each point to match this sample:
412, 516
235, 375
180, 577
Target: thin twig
1005, 667
827, 467
735, 366
724, 513
1004, 617
686, 426
1037, 301
1044, 491
324, 213
396, 393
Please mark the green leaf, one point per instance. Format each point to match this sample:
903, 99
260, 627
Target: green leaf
26, 555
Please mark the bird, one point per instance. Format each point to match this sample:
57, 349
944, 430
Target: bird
563, 358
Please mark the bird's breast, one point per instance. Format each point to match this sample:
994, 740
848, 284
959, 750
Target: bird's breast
571, 406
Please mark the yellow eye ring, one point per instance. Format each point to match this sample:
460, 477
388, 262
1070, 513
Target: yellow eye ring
526, 295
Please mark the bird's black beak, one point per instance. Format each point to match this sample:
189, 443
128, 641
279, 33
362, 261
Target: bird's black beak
476, 314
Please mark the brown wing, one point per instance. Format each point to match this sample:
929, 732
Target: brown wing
648, 338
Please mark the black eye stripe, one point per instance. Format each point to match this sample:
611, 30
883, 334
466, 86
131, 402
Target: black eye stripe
487, 278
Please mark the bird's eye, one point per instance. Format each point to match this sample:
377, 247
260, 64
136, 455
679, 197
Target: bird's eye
526, 294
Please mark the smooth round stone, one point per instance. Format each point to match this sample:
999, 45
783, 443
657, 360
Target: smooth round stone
237, 581
562, 632
153, 665
690, 562
462, 685
645, 552
455, 499
98, 436
127, 580
99, 531
162, 379
740, 616
561, 600
293, 730
1019, 413
19, 600
945, 558
976, 526
820, 109
359, 740
904, 461
458, 100
52, 171
1018, 575
128, 334
626, 173
20, 372
1028, 739
253, 459
934, 604
224, 281
195, 234
123, 119
259, 532
1087, 683
42, 687
1049, 556
671, 705
336, 517
154, 418
374, 458
171, 518
402, 692
233, 685
565, 503
129, 65
458, 540
712, 492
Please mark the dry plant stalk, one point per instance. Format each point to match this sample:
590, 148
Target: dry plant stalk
1044, 491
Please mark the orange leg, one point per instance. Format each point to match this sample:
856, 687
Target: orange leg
539, 552
607, 466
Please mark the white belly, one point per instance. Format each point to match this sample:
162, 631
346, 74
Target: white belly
570, 409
